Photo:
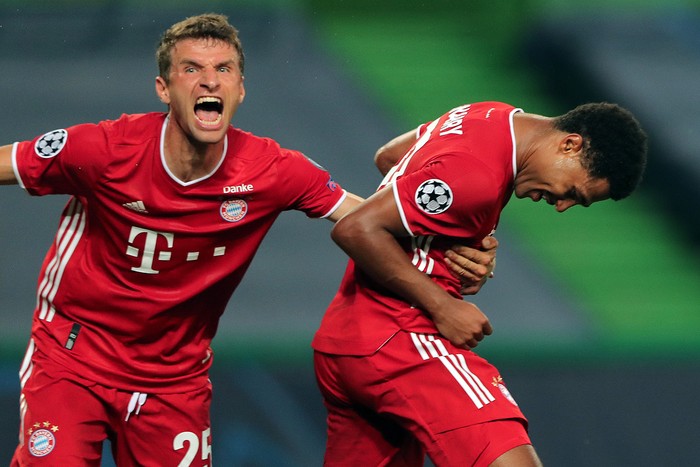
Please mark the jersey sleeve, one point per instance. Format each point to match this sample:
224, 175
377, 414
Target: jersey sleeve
309, 186
63, 161
446, 198
422, 129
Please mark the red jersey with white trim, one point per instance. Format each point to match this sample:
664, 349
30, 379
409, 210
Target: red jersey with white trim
143, 264
449, 188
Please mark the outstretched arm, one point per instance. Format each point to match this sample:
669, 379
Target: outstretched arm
368, 235
7, 175
351, 200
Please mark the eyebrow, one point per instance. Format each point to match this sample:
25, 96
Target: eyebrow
193, 62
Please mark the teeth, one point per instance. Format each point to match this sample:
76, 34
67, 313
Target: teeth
206, 122
202, 100
209, 105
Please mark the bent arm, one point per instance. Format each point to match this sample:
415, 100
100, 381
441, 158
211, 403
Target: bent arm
389, 154
7, 173
470, 265
368, 235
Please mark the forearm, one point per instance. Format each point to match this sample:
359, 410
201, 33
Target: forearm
7, 173
368, 234
377, 252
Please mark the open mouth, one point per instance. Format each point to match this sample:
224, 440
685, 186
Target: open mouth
208, 110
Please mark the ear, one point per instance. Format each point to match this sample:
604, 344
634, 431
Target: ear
571, 143
162, 90
242, 95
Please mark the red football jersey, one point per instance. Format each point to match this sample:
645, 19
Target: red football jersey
450, 188
143, 264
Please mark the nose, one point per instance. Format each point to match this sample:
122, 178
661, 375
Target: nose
209, 78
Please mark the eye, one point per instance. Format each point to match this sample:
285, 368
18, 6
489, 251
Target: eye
190, 69
224, 69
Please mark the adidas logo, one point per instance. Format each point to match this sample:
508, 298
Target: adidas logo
137, 206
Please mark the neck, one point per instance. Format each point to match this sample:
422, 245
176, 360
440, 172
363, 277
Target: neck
188, 159
530, 133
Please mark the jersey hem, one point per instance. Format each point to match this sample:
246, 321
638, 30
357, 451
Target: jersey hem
336, 205
15, 167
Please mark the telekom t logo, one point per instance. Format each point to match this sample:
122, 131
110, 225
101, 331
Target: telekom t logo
149, 249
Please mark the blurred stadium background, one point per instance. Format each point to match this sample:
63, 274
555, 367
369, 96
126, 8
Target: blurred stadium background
596, 312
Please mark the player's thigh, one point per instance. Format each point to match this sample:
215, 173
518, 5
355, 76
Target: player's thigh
355, 434
424, 385
167, 429
424, 378
494, 443
441, 394
61, 422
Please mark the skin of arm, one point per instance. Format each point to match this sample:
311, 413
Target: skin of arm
368, 235
348, 204
7, 174
389, 154
472, 267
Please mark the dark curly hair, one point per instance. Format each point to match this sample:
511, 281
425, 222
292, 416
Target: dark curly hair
615, 146
205, 26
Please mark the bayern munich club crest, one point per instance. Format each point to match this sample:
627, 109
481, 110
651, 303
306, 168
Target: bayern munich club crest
233, 210
41, 443
434, 196
498, 382
51, 143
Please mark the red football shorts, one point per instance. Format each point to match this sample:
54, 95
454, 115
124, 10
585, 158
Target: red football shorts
417, 394
64, 421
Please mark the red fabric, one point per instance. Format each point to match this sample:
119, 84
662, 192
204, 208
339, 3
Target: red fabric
65, 419
145, 263
473, 160
417, 388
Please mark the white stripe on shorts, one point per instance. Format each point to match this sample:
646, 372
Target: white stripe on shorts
429, 346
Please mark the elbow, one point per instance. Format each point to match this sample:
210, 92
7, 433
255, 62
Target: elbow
340, 233
382, 160
378, 156
349, 232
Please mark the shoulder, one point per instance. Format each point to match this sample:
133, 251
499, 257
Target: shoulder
127, 130
491, 108
132, 129
471, 172
246, 145
487, 112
